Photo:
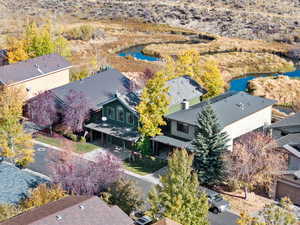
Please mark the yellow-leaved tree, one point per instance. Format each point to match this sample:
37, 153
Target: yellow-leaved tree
36, 41
205, 72
15, 144
153, 106
43, 194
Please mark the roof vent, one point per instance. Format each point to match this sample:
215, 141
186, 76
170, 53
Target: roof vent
185, 104
81, 207
58, 217
241, 105
38, 68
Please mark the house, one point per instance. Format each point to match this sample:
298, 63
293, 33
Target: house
15, 183
238, 114
118, 121
72, 210
287, 134
36, 75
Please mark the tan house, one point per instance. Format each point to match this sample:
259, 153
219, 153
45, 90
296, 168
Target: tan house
38, 74
166, 221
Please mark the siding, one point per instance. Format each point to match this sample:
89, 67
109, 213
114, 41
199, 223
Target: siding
236, 129
114, 105
45, 83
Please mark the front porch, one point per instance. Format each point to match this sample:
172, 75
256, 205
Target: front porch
163, 145
111, 134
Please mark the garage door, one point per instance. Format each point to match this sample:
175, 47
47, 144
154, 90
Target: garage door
286, 190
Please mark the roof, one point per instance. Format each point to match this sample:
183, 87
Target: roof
184, 88
229, 107
288, 139
293, 149
172, 141
99, 88
73, 210
290, 124
16, 183
166, 221
32, 68
115, 130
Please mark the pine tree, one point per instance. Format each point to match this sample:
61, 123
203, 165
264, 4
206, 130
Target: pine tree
178, 197
209, 145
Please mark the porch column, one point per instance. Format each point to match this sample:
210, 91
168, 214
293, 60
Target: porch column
102, 141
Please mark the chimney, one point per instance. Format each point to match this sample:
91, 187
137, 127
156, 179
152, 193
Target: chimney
185, 104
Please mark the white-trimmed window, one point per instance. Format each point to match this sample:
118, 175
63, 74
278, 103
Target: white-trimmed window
111, 113
129, 118
120, 114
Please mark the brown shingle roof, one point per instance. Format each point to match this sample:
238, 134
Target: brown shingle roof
32, 68
166, 221
73, 210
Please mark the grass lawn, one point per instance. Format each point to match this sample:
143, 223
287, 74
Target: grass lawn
85, 147
144, 166
49, 140
78, 146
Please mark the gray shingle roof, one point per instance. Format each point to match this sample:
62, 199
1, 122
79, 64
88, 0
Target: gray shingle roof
288, 139
184, 87
32, 68
291, 122
98, 88
73, 210
229, 107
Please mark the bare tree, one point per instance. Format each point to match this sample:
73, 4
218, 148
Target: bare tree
255, 160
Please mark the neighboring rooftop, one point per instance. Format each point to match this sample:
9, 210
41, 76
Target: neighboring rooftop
290, 139
32, 68
183, 88
73, 210
229, 107
15, 183
99, 88
290, 124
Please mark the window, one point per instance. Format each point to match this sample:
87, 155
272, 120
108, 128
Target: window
111, 113
129, 118
182, 127
120, 114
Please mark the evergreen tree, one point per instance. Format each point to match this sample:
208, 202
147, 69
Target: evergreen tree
178, 197
209, 145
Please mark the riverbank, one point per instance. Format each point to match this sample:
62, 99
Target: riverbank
281, 88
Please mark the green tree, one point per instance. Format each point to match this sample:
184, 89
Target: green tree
272, 214
15, 144
178, 197
208, 146
153, 106
124, 194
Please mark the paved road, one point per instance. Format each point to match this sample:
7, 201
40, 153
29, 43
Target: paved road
40, 165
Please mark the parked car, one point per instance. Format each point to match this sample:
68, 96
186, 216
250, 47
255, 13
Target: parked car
144, 220
215, 200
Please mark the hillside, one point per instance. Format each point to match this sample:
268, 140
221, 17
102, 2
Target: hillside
251, 19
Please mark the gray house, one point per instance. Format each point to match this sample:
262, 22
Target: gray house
287, 134
238, 113
73, 210
117, 122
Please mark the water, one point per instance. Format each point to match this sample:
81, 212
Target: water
136, 52
238, 84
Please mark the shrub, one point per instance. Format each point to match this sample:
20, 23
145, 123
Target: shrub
233, 185
79, 75
84, 33
82, 140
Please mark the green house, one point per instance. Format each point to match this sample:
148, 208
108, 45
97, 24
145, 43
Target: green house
117, 122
